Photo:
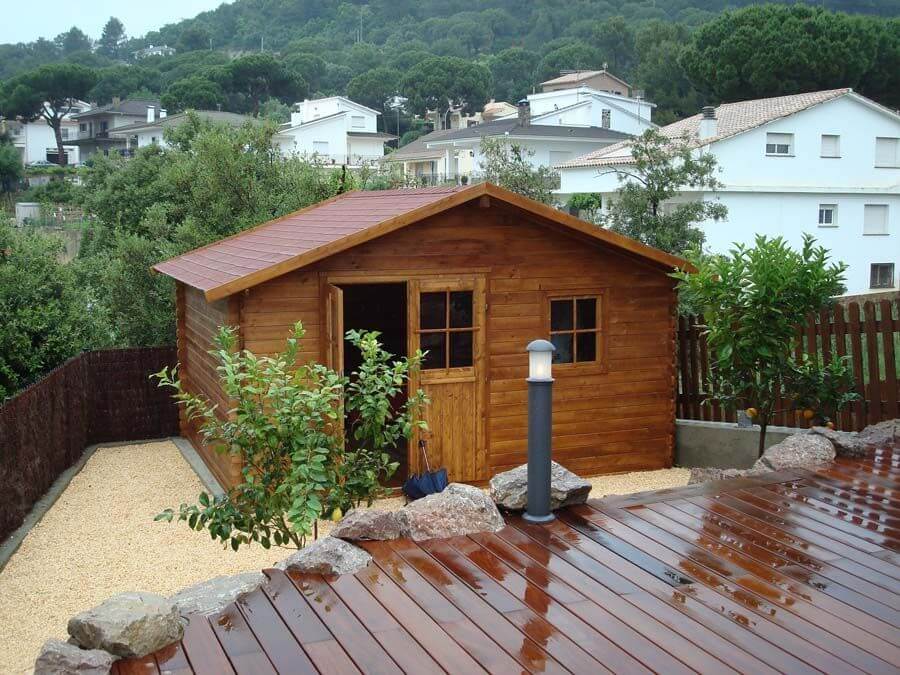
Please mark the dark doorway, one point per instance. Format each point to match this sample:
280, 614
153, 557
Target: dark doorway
380, 307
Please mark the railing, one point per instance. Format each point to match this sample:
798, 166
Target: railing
868, 333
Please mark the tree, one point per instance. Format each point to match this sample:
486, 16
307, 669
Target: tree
195, 92
298, 465
122, 81
662, 167
616, 41
441, 83
112, 38
11, 170
575, 56
659, 74
48, 92
374, 88
258, 77
513, 73
752, 299
194, 38
72, 41
507, 165
309, 66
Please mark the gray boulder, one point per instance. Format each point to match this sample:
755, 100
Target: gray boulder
883, 434
458, 510
328, 555
510, 488
61, 658
846, 443
208, 597
371, 525
128, 624
800, 451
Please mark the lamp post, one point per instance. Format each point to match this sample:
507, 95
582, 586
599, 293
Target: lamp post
540, 411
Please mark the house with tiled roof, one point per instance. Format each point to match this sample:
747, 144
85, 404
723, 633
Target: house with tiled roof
95, 126
826, 163
152, 132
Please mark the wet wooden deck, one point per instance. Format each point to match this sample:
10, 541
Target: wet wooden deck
795, 572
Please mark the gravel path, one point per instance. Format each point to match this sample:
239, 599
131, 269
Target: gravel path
99, 539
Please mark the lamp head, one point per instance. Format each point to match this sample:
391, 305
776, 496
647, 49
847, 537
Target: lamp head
540, 359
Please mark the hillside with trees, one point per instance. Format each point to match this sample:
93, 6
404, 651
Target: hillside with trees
681, 53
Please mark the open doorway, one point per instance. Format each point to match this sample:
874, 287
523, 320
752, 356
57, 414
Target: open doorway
380, 307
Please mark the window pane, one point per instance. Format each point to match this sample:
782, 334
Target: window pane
460, 350
561, 315
587, 346
436, 346
586, 313
563, 344
433, 310
460, 309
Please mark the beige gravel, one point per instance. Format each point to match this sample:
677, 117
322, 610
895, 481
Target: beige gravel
100, 539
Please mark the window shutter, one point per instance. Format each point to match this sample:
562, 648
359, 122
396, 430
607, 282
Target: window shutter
875, 219
830, 145
886, 151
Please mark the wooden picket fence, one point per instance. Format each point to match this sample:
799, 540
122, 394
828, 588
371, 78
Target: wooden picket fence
868, 333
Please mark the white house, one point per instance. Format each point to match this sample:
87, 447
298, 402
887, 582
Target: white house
96, 126
335, 130
825, 163
36, 141
151, 131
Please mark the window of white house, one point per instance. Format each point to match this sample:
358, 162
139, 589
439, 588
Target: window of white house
887, 152
320, 147
779, 144
559, 156
881, 275
605, 118
64, 134
831, 145
358, 121
82, 127
875, 219
828, 215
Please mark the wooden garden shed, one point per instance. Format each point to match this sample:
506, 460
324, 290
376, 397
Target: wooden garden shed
471, 274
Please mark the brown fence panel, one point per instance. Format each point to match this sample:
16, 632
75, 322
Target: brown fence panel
868, 334
95, 397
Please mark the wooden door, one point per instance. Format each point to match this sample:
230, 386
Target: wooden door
334, 328
447, 319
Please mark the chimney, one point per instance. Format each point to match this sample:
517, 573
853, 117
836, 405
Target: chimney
116, 100
708, 123
162, 113
151, 113
524, 113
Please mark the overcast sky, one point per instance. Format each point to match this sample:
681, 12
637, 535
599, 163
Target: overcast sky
27, 21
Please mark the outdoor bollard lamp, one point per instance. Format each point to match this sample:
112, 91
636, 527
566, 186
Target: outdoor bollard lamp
540, 411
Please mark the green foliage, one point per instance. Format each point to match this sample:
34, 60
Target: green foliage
123, 81
662, 168
257, 77
45, 313
586, 204
752, 300
287, 427
195, 92
112, 38
439, 83
507, 165
824, 388
11, 169
375, 88
513, 73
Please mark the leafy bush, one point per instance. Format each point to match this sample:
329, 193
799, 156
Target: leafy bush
824, 389
287, 426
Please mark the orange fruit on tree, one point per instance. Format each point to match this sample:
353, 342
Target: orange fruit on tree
337, 514
808, 414
751, 412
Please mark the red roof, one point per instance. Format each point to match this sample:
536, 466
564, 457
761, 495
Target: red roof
303, 237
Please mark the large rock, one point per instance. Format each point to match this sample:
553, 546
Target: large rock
881, 435
61, 658
328, 555
846, 443
800, 451
210, 596
510, 488
370, 524
128, 624
458, 510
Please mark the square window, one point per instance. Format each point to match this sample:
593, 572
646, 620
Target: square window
779, 144
882, 275
887, 152
827, 215
875, 219
433, 310
435, 346
561, 315
461, 349
564, 348
831, 145
460, 309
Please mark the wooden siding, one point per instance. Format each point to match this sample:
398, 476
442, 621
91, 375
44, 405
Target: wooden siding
618, 418
198, 323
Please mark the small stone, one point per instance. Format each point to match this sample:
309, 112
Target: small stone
457, 511
510, 488
128, 624
328, 555
704, 474
846, 443
208, 597
800, 451
368, 525
61, 658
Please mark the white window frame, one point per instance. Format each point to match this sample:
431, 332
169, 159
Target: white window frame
836, 153
360, 118
881, 229
891, 163
872, 284
824, 210
774, 143
320, 148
